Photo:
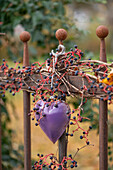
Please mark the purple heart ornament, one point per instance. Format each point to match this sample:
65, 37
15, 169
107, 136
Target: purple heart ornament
55, 119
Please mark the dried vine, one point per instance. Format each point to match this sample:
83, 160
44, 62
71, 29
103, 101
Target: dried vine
64, 74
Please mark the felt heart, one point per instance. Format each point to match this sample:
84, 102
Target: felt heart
55, 120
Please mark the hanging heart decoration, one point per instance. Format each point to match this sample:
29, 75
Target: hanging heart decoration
52, 118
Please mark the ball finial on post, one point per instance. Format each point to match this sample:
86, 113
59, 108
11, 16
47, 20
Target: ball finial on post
102, 31
25, 36
61, 35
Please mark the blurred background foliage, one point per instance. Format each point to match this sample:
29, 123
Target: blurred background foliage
42, 18
12, 154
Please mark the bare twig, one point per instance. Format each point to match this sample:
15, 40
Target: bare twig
78, 149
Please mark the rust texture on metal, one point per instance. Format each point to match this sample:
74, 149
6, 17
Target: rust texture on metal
103, 136
76, 81
72, 84
61, 35
62, 145
102, 32
25, 36
27, 131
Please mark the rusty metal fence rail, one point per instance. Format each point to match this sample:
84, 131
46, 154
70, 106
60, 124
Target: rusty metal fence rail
101, 32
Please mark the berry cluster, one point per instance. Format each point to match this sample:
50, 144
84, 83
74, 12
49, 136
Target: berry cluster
16, 78
47, 79
42, 162
75, 121
64, 74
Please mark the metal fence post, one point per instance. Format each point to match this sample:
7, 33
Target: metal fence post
61, 35
25, 36
102, 32
62, 144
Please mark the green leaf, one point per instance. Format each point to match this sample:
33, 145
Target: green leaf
37, 17
37, 36
110, 159
32, 50
17, 21
109, 153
